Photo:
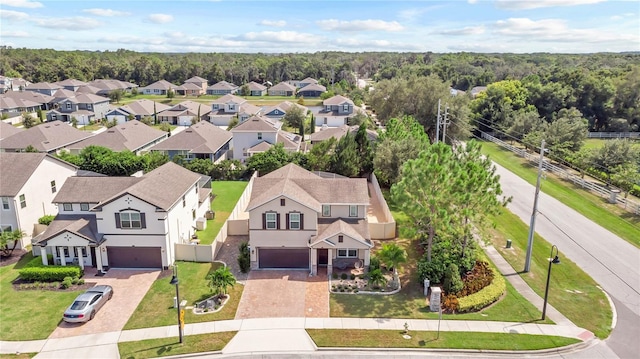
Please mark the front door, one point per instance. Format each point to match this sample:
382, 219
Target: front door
323, 257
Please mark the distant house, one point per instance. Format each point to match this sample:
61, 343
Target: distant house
49, 137
326, 133
19, 84
311, 90
133, 136
161, 87
28, 184
183, 113
45, 101
201, 140
336, 111
125, 222
258, 134
138, 109
222, 88
477, 90
277, 112
306, 82
199, 82
229, 106
282, 89
106, 86
71, 84
15, 106
6, 84
44, 88
256, 89
83, 107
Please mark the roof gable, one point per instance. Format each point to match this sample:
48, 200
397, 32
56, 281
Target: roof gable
16, 168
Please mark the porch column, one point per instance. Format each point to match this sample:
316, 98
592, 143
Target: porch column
81, 259
43, 254
98, 258
367, 257
314, 261
329, 261
63, 259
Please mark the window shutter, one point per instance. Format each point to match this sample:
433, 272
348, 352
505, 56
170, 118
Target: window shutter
118, 220
264, 221
278, 221
301, 221
287, 222
143, 220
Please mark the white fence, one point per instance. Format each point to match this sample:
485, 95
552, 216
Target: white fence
387, 228
628, 204
614, 135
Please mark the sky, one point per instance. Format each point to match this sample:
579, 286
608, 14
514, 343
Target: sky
515, 26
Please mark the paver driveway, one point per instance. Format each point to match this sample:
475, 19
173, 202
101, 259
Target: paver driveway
284, 293
129, 287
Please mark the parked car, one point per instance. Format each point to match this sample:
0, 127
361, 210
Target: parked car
85, 306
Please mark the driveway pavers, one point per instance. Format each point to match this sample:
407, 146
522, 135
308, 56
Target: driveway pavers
228, 253
129, 287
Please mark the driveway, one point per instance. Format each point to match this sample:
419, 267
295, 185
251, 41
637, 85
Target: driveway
284, 293
129, 287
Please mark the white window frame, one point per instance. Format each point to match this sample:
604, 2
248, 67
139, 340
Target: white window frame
65, 251
68, 105
131, 222
345, 107
326, 210
84, 206
347, 253
295, 221
353, 210
23, 201
83, 252
67, 207
5, 204
271, 218
89, 106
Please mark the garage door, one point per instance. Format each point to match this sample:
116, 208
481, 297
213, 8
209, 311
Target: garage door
283, 258
134, 257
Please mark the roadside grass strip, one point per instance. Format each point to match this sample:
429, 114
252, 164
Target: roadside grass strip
153, 348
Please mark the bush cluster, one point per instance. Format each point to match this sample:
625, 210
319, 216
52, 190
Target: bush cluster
244, 258
49, 273
46, 219
484, 297
478, 278
452, 282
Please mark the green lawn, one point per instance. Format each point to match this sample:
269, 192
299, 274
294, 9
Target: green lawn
572, 291
227, 195
18, 356
427, 340
93, 127
615, 219
154, 348
595, 143
29, 314
156, 309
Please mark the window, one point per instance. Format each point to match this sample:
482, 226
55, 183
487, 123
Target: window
282, 202
62, 251
84, 206
345, 107
5, 203
53, 117
80, 251
184, 201
89, 106
130, 220
294, 220
271, 220
353, 211
193, 214
23, 201
6, 228
53, 187
326, 210
68, 105
347, 253
67, 207
340, 239
259, 135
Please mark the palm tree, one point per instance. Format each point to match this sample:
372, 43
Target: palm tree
392, 255
220, 280
376, 278
9, 241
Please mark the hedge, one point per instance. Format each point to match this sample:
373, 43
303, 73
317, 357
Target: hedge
485, 296
34, 271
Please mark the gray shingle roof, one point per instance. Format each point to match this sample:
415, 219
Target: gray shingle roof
84, 226
70, 82
29, 95
313, 87
283, 86
195, 79
43, 86
131, 135
356, 229
7, 130
229, 98
223, 85
201, 137
16, 168
254, 86
337, 100
46, 137
92, 189
255, 124
144, 107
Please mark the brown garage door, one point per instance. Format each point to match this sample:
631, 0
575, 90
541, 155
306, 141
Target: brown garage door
134, 257
283, 258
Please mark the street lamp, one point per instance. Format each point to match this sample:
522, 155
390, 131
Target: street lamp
175, 281
552, 260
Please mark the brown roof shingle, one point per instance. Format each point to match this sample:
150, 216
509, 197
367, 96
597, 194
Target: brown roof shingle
131, 135
17, 167
201, 137
46, 137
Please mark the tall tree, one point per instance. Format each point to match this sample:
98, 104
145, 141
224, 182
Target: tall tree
345, 159
614, 153
364, 150
220, 280
319, 157
294, 117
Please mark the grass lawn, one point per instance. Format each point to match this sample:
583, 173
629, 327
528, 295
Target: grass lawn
572, 291
18, 356
595, 143
227, 195
156, 309
29, 314
154, 348
157, 127
93, 127
427, 339
615, 219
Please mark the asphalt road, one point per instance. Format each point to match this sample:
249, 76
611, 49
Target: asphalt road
611, 261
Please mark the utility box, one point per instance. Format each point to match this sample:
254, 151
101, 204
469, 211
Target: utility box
434, 302
426, 287
508, 243
613, 197
201, 224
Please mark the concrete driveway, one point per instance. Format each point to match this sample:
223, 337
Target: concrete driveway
129, 287
284, 293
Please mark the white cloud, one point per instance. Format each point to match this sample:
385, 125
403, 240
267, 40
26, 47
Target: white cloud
414, 13
622, 16
14, 34
106, 12
273, 23
21, 3
277, 36
359, 25
371, 45
472, 1
133, 40
56, 38
536, 4
160, 18
77, 23
469, 30
555, 30
13, 15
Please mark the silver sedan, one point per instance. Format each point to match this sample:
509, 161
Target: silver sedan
85, 306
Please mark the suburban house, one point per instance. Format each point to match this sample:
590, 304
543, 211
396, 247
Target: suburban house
105, 86
6, 84
15, 106
138, 109
125, 222
7, 130
300, 220
28, 184
277, 112
195, 86
201, 140
222, 88
19, 84
228, 106
49, 137
258, 134
256, 89
326, 133
161, 87
306, 82
282, 89
71, 84
477, 90
311, 90
83, 107
132, 136
184, 113
44, 88
336, 111
45, 101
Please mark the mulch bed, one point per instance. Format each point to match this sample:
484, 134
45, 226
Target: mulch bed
20, 284
13, 258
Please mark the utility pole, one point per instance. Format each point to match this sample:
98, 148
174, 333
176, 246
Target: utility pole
445, 123
438, 124
532, 225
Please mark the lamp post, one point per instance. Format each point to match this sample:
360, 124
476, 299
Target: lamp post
175, 281
552, 260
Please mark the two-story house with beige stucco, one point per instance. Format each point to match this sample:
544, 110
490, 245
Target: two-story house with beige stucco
300, 220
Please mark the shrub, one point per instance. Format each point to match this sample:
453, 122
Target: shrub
353, 276
80, 281
374, 263
49, 273
452, 282
46, 219
343, 276
244, 258
74, 280
450, 303
484, 297
66, 283
334, 275
478, 278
